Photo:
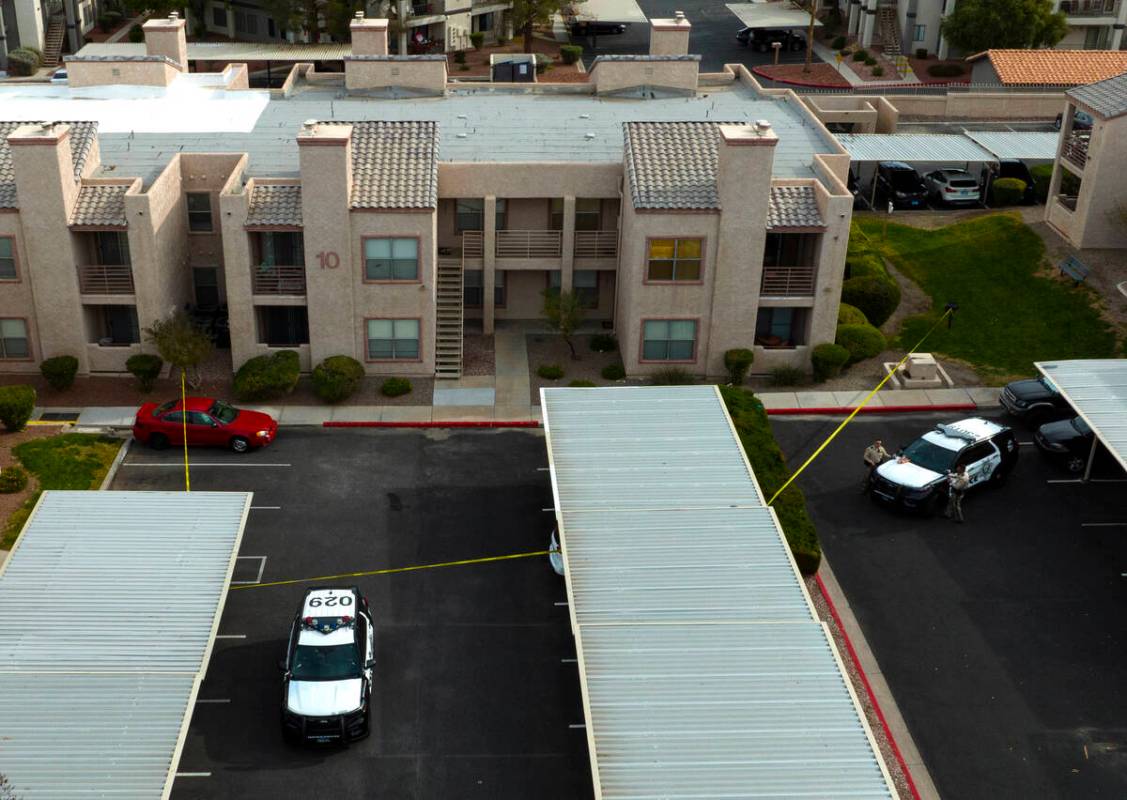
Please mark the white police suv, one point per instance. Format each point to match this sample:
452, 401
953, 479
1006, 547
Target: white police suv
916, 480
327, 685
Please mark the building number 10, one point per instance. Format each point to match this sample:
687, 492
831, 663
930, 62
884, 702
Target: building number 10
328, 260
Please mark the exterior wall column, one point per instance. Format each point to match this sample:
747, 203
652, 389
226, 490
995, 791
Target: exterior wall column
869, 23
1116, 42
942, 50
488, 262
567, 245
856, 10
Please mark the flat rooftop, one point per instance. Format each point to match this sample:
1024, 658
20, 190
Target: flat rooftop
141, 128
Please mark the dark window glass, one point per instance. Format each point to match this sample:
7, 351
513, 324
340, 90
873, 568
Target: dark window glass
283, 326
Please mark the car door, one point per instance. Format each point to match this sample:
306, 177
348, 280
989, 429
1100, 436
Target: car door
980, 460
202, 429
172, 426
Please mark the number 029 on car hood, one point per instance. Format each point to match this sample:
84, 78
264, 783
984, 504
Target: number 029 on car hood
907, 474
324, 698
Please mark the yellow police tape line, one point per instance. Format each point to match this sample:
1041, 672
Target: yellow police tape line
184, 422
393, 570
848, 419
49, 422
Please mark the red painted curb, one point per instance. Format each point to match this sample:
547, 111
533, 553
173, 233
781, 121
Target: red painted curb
783, 412
805, 84
868, 688
465, 423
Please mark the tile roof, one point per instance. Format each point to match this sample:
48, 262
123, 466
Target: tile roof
82, 137
672, 164
1107, 98
100, 205
394, 164
1056, 67
274, 204
793, 207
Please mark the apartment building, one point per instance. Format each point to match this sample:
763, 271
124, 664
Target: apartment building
382, 213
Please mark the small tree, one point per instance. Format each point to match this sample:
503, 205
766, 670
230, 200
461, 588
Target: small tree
6, 790
526, 14
563, 313
977, 25
181, 343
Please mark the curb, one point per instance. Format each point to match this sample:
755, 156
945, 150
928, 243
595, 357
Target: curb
843, 410
121, 453
848, 87
520, 423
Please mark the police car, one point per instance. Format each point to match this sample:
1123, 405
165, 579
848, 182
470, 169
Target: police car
327, 685
916, 479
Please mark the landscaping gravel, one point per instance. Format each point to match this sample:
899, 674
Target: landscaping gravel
546, 348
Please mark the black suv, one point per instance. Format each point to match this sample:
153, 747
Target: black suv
1035, 401
761, 39
901, 185
593, 28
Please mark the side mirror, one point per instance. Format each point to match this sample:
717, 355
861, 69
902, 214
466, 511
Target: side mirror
371, 662
214, 424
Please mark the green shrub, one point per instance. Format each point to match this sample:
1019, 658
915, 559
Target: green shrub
12, 479
570, 53
337, 378
828, 360
672, 376
1069, 184
876, 298
1042, 177
613, 372
477, 39
850, 315
738, 361
460, 57
860, 54
34, 51
580, 384
604, 343
862, 341
502, 41
543, 63
267, 377
136, 34
770, 470
1007, 191
59, 371
16, 404
22, 62
864, 265
921, 53
395, 387
870, 62
838, 43
787, 376
877, 71
145, 368
945, 70
550, 372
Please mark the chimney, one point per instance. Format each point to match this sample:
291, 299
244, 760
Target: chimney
670, 37
369, 36
166, 37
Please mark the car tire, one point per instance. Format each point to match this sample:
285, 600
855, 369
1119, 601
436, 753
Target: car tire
931, 507
1075, 464
997, 477
796, 46
158, 441
239, 444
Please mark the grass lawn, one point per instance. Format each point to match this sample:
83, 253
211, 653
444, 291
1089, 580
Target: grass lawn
1009, 316
66, 461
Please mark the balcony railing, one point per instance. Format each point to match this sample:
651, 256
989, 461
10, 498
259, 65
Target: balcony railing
787, 282
105, 279
528, 244
1090, 8
473, 244
1076, 149
278, 280
596, 244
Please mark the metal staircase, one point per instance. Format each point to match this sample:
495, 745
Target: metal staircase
53, 41
448, 323
889, 29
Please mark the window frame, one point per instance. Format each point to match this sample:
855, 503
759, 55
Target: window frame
198, 213
594, 292
367, 342
261, 327
642, 341
15, 258
458, 228
418, 258
799, 314
699, 280
500, 292
27, 337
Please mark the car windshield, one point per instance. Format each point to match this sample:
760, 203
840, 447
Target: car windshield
332, 663
962, 183
904, 179
930, 456
223, 412
1048, 384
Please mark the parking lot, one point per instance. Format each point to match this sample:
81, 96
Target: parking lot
1002, 638
473, 692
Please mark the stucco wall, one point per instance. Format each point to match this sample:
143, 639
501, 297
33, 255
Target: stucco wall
158, 246
536, 180
119, 73
424, 76
613, 76
16, 300
978, 105
208, 172
1100, 219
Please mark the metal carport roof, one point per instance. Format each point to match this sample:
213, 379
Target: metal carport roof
1027, 145
772, 15
609, 11
704, 669
1097, 389
931, 148
111, 602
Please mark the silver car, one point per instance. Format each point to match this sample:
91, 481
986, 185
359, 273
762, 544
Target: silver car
952, 186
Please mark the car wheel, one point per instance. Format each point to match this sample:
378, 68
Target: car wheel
796, 46
998, 476
158, 441
931, 507
239, 444
1075, 464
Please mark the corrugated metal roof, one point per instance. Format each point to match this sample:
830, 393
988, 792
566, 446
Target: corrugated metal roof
1097, 389
1029, 145
704, 669
110, 602
931, 148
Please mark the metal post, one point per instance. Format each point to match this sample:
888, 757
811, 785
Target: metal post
776, 46
1091, 458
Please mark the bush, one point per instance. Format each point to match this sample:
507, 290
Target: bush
146, 369
1042, 177
921, 52
738, 361
838, 43
878, 71
945, 70
477, 39
581, 384
336, 378
395, 387
59, 371
12, 479
1007, 191
22, 62
543, 63
267, 377
550, 372
865, 265
870, 62
860, 54
460, 57
862, 341
850, 315
136, 34
876, 297
570, 53
672, 376
828, 360
16, 404
770, 470
787, 376
613, 372
604, 343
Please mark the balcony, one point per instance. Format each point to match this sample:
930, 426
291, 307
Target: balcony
473, 244
1090, 8
1076, 149
787, 282
278, 280
596, 244
105, 279
529, 244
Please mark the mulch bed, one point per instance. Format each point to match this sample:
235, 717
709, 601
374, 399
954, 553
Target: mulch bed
550, 349
821, 74
920, 65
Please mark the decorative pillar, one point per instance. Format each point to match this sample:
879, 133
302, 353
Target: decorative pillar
488, 262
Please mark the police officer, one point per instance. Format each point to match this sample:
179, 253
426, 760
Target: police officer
875, 455
957, 484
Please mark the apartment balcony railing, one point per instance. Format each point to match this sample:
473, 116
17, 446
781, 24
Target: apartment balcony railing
1067, 201
1090, 8
787, 282
529, 244
596, 244
1076, 149
105, 279
277, 280
473, 244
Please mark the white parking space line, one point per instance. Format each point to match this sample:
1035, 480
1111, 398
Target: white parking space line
578, 726
569, 660
261, 568
193, 774
1090, 480
180, 465
265, 508
213, 700
230, 636
1103, 524
560, 604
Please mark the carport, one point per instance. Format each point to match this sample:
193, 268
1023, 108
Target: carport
1097, 390
1021, 145
608, 11
772, 15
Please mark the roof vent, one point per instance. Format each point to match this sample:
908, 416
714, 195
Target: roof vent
679, 16
585, 116
359, 15
463, 116
175, 15
589, 135
462, 135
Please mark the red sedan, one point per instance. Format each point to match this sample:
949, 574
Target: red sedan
210, 422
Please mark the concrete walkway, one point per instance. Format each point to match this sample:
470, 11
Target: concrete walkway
510, 355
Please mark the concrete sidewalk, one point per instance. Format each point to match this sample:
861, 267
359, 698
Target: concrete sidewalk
981, 396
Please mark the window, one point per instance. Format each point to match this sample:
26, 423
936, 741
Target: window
198, 418
669, 340
789, 250
674, 260
111, 248
271, 28
975, 453
283, 326
393, 339
780, 327
391, 259
474, 288
8, 259
199, 212
282, 248
469, 215
219, 16
245, 22
206, 282
13, 339
588, 214
584, 283
114, 326
483, 23
920, 33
